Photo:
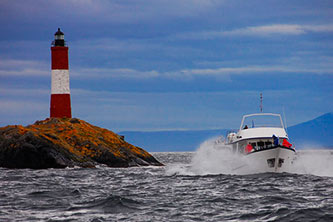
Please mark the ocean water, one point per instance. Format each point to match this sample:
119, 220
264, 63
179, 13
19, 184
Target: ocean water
197, 186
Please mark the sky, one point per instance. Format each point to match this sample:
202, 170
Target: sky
169, 64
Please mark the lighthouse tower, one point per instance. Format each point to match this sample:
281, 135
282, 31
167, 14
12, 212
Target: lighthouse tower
60, 94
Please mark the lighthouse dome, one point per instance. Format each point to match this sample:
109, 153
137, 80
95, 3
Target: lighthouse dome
58, 33
58, 38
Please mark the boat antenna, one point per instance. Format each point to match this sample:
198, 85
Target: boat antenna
261, 102
285, 120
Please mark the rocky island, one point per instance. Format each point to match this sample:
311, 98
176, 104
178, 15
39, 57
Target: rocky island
67, 142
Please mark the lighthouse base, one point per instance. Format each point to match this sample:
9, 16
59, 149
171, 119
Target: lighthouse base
60, 106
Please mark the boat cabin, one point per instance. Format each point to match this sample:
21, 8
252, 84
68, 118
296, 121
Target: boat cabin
258, 131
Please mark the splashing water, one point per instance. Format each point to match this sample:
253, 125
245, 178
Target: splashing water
215, 158
315, 162
212, 157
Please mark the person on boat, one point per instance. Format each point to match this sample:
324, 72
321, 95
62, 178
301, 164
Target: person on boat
248, 148
245, 127
285, 143
276, 140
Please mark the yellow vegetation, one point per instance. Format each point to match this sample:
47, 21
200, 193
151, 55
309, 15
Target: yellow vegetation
80, 137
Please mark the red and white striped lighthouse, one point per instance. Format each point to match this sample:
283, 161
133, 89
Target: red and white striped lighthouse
60, 93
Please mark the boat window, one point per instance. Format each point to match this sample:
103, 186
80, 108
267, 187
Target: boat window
271, 162
268, 144
261, 120
281, 161
261, 144
242, 146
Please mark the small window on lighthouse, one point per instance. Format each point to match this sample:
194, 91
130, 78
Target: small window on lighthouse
59, 35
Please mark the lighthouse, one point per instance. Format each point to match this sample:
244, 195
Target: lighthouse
60, 106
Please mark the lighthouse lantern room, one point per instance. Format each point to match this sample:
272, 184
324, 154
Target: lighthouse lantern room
60, 106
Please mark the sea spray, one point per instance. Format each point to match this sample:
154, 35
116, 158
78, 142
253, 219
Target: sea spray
315, 162
213, 157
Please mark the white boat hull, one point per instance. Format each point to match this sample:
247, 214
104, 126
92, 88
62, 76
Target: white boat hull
274, 160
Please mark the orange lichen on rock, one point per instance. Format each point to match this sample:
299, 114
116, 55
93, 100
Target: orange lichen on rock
76, 140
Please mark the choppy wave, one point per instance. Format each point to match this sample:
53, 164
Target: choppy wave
110, 204
186, 189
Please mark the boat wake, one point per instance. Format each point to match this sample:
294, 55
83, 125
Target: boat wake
315, 162
211, 158
214, 158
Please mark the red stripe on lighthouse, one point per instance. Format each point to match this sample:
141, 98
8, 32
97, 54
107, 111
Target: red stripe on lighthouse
60, 106
59, 57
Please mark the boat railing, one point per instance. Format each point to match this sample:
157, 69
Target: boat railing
262, 126
261, 120
230, 131
227, 136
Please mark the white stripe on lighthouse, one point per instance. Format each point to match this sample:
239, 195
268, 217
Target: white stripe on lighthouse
60, 81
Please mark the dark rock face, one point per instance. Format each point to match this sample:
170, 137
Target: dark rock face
60, 143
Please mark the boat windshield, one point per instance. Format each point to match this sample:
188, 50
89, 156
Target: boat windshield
261, 120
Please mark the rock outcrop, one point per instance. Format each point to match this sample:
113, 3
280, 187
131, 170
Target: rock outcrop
60, 143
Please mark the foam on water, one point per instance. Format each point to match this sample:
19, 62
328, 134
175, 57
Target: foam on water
211, 158
315, 162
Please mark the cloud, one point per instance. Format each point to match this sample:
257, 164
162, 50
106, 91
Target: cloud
187, 110
27, 68
108, 45
135, 110
318, 28
259, 31
121, 73
250, 70
189, 73
282, 29
20, 112
22, 106
159, 110
15, 107
124, 11
26, 93
221, 73
13, 67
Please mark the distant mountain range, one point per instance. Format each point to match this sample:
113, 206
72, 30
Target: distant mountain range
316, 133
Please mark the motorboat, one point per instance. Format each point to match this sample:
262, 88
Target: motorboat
263, 141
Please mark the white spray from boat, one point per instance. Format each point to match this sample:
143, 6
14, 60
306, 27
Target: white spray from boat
214, 158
